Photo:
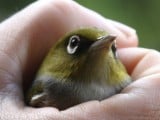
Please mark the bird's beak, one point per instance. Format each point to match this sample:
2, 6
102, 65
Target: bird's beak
103, 42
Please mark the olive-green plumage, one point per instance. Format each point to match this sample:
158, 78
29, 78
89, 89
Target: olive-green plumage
83, 65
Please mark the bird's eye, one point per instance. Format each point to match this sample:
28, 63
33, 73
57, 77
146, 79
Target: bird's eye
114, 49
73, 44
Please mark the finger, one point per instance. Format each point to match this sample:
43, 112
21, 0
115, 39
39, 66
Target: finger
140, 62
130, 57
128, 32
149, 65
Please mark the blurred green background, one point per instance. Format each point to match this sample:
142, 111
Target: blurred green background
143, 15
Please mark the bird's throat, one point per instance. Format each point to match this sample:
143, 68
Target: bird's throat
102, 70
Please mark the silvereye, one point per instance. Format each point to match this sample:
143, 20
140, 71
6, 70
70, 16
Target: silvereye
83, 65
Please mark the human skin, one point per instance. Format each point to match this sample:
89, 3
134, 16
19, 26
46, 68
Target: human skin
25, 39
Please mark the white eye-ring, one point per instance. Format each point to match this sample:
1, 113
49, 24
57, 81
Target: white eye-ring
73, 44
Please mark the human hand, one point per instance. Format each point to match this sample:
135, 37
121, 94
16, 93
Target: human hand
26, 37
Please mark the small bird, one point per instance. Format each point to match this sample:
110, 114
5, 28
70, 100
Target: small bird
82, 66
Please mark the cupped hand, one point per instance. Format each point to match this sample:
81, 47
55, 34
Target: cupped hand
25, 39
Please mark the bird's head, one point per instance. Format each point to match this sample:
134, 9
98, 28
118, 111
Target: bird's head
83, 54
